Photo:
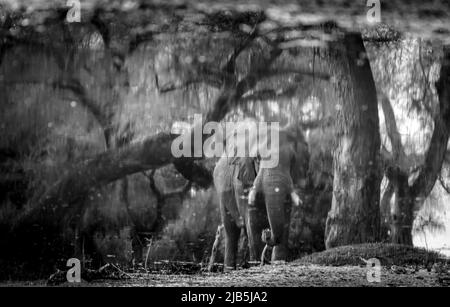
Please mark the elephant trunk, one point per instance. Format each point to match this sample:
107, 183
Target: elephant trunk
277, 189
276, 206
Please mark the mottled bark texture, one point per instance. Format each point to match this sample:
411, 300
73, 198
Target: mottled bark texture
402, 217
355, 212
410, 197
385, 211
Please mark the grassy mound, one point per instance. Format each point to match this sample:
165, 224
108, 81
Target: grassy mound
388, 254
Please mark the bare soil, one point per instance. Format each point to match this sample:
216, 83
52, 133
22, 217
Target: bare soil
282, 275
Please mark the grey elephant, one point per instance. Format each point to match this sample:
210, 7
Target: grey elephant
276, 185
272, 196
232, 177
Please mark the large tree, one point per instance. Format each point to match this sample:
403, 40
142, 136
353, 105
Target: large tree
354, 216
409, 196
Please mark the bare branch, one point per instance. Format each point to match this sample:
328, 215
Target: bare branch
229, 97
152, 153
230, 64
232, 92
436, 152
270, 94
392, 130
184, 85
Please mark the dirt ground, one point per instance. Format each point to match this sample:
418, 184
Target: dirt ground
284, 275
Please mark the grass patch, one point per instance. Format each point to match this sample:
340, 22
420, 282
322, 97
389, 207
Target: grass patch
388, 254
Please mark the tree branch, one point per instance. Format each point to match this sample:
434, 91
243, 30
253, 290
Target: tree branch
270, 94
436, 152
184, 85
101, 170
227, 99
392, 130
152, 153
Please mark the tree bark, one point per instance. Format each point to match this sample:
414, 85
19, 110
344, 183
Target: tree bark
355, 211
385, 210
409, 197
402, 217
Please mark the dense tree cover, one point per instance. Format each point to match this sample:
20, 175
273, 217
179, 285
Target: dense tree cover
89, 107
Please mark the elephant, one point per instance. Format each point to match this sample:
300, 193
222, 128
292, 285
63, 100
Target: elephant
276, 184
234, 176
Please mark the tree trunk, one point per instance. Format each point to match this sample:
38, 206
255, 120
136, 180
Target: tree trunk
385, 210
355, 212
402, 212
410, 197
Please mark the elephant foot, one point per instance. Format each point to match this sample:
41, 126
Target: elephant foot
245, 265
266, 236
264, 259
279, 253
240, 222
279, 250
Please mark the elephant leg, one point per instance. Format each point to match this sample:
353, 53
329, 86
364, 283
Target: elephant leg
252, 220
280, 252
243, 248
278, 213
256, 221
232, 231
